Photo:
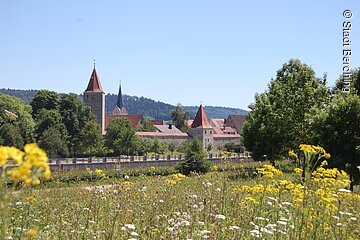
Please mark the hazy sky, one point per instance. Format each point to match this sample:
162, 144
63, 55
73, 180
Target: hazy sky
218, 52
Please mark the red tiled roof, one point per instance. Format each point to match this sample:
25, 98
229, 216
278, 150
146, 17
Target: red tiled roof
157, 122
162, 134
201, 120
134, 119
219, 136
94, 83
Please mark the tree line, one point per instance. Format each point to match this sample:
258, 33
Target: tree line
64, 126
149, 108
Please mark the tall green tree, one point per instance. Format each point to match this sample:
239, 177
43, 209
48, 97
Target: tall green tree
16, 122
337, 129
158, 147
45, 99
91, 141
76, 117
180, 117
279, 118
194, 159
261, 134
120, 137
51, 133
147, 126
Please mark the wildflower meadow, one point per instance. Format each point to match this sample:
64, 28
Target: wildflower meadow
242, 201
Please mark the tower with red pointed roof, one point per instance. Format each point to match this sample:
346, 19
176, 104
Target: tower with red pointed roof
201, 128
94, 97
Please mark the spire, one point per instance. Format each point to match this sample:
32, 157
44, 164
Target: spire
119, 102
94, 82
201, 120
119, 108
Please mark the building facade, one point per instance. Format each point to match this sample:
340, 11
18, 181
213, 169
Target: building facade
213, 133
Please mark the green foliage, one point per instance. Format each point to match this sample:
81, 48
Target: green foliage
44, 99
16, 122
10, 135
180, 118
183, 146
143, 146
91, 141
171, 147
354, 84
279, 118
337, 128
147, 126
194, 159
120, 137
234, 147
158, 147
51, 133
79, 120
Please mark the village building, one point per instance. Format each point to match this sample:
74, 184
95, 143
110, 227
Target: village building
213, 133
94, 97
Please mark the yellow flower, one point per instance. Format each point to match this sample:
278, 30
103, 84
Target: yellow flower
173, 197
36, 182
269, 171
31, 233
172, 182
31, 198
152, 168
126, 183
28, 181
307, 149
178, 176
10, 153
291, 153
298, 171
249, 200
34, 154
47, 174
215, 168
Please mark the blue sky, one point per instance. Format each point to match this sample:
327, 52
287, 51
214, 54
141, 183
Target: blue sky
188, 51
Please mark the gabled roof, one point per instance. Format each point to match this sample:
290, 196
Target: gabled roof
94, 83
119, 111
201, 120
167, 128
236, 121
134, 119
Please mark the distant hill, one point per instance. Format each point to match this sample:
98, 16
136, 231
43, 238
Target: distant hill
148, 107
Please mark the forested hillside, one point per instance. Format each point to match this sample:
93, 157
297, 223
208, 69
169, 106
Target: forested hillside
148, 107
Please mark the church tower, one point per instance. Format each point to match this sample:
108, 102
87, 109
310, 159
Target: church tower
94, 97
201, 128
120, 107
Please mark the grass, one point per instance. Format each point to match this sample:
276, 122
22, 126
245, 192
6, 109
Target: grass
230, 203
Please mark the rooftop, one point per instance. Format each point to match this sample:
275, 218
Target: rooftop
201, 120
94, 83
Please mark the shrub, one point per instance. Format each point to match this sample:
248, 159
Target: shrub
194, 159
